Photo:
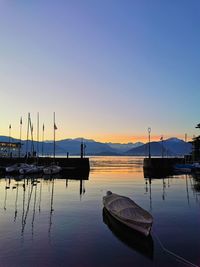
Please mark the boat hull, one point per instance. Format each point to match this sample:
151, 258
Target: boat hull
142, 226
134, 239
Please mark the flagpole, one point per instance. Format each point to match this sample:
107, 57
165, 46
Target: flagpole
38, 122
30, 124
9, 138
32, 144
54, 135
20, 137
27, 135
43, 140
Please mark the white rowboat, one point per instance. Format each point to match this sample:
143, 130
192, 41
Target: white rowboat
128, 212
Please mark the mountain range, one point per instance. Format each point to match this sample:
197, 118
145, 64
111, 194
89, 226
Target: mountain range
169, 147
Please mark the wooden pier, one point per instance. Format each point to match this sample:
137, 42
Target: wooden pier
67, 164
160, 167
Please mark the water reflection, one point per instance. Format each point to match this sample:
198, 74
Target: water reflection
191, 183
28, 191
57, 221
196, 184
131, 238
114, 164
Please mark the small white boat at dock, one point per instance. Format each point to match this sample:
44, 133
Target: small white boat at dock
127, 212
53, 169
16, 167
30, 169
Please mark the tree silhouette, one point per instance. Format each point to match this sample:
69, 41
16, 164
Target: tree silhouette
198, 126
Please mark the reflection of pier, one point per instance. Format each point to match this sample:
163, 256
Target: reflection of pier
149, 173
65, 174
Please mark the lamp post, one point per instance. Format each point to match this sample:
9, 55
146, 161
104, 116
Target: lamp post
9, 153
149, 132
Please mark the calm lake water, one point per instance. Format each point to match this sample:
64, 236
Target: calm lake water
61, 222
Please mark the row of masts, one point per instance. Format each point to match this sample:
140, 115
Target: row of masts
34, 151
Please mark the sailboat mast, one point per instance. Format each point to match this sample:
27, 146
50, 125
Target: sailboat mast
43, 139
9, 140
20, 136
38, 124
54, 135
27, 134
32, 144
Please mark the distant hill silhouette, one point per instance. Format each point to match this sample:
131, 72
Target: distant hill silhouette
72, 146
124, 147
172, 147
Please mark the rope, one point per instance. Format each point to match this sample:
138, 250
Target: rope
172, 253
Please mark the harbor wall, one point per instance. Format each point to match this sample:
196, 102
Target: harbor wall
161, 163
65, 163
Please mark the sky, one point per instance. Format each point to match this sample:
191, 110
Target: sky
109, 69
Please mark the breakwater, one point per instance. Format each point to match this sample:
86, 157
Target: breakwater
65, 163
160, 166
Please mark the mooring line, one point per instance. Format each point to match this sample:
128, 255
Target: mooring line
172, 253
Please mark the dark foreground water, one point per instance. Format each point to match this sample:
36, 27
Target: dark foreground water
61, 222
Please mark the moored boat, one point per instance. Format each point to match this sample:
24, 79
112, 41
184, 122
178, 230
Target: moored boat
15, 167
187, 168
126, 211
53, 169
30, 169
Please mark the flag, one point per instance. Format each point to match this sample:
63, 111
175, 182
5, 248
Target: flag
55, 127
21, 121
10, 126
43, 127
161, 138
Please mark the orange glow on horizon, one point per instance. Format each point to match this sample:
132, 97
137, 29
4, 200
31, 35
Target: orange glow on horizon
104, 138
124, 139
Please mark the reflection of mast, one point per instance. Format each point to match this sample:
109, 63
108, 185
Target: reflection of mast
168, 182
5, 199
16, 203
66, 183
33, 218
163, 195
82, 188
187, 191
40, 196
192, 186
150, 194
27, 210
146, 187
51, 209
24, 189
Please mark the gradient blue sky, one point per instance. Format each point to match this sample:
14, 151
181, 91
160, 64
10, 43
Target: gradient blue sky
109, 68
